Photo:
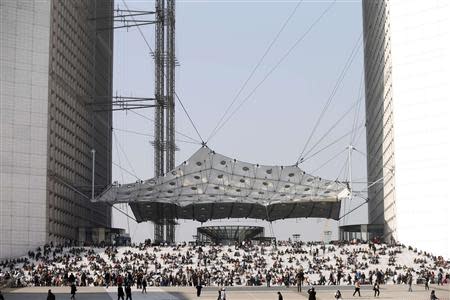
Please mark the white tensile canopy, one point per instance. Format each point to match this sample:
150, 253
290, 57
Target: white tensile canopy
213, 186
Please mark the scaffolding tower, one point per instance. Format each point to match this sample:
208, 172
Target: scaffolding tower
164, 144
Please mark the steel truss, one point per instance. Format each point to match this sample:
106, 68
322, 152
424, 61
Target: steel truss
126, 19
164, 104
164, 144
123, 103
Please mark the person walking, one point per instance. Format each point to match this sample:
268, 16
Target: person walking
409, 283
1, 296
280, 297
218, 297
73, 290
376, 289
312, 294
50, 295
120, 292
338, 295
199, 289
222, 294
128, 292
433, 296
427, 285
357, 288
144, 285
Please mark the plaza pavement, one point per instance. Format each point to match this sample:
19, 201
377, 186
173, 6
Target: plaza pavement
391, 292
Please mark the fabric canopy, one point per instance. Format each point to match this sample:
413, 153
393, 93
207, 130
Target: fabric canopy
213, 186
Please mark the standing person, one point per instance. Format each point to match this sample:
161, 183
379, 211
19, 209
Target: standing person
144, 285
376, 289
280, 297
73, 290
339, 277
218, 297
300, 277
223, 296
312, 294
268, 279
1, 296
50, 295
427, 286
120, 293
199, 288
409, 282
107, 279
128, 292
439, 280
433, 296
357, 288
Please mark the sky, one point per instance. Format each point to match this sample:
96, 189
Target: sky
218, 45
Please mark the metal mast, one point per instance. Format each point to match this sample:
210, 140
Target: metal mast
164, 144
170, 102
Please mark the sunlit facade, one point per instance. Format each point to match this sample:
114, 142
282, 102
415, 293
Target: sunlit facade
54, 64
407, 75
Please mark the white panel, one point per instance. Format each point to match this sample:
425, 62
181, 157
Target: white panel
421, 73
23, 91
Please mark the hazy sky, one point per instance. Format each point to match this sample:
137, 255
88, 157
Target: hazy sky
218, 43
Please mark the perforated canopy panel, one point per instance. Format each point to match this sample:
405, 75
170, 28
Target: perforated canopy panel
212, 186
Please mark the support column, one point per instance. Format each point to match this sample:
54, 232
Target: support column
164, 144
159, 109
170, 102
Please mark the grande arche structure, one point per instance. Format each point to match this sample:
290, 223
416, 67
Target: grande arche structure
211, 186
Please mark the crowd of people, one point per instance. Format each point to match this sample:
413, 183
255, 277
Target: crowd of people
285, 264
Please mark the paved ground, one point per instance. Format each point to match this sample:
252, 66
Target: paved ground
233, 293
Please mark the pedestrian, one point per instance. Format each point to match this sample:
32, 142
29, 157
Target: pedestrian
128, 292
312, 294
120, 292
427, 286
357, 288
222, 295
433, 296
218, 297
107, 279
144, 285
280, 297
199, 288
439, 279
376, 289
268, 278
50, 295
1, 296
300, 277
73, 290
409, 283
338, 295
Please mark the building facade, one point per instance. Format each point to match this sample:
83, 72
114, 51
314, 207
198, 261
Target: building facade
56, 62
406, 58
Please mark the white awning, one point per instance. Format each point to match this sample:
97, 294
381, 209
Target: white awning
211, 178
